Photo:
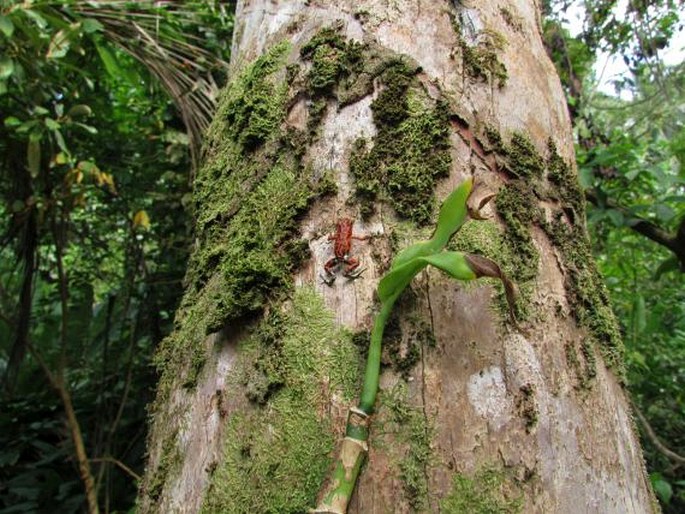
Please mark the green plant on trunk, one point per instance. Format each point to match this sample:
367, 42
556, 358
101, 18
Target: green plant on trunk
453, 214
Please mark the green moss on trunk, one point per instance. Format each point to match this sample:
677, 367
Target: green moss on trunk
411, 452
488, 491
409, 152
276, 456
535, 179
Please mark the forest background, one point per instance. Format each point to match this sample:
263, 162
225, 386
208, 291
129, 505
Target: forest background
102, 109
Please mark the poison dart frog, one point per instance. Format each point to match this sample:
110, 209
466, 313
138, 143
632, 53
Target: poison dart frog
342, 238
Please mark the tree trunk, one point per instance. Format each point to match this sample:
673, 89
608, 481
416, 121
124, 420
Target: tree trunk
375, 111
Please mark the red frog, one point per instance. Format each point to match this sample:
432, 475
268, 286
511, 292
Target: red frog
341, 249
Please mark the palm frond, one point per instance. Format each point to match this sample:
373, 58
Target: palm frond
157, 34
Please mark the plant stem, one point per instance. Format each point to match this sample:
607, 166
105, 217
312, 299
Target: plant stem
373, 361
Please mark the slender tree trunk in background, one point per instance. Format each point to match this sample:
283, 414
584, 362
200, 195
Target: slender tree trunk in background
375, 112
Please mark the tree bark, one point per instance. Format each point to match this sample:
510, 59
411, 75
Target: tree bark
396, 103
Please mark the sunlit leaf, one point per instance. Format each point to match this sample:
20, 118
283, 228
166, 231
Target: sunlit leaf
110, 62
59, 44
88, 128
141, 219
6, 67
52, 124
79, 111
12, 121
6, 26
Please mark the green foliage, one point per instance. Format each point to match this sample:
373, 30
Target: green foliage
93, 183
630, 157
413, 259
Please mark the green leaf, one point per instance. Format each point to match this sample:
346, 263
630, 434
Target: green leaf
664, 212
453, 213
90, 25
79, 111
12, 121
452, 263
33, 155
26, 126
616, 217
639, 316
586, 176
110, 62
52, 124
3, 87
88, 128
59, 44
662, 488
632, 174
6, 26
6, 67
60, 141
398, 278
37, 18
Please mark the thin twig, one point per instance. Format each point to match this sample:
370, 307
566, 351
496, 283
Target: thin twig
120, 464
651, 434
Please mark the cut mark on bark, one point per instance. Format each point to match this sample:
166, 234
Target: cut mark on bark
467, 135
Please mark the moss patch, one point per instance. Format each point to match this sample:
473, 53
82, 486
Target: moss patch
333, 58
535, 179
523, 160
168, 462
586, 292
583, 363
517, 206
275, 457
411, 148
414, 433
489, 491
409, 152
566, 188
480, 57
